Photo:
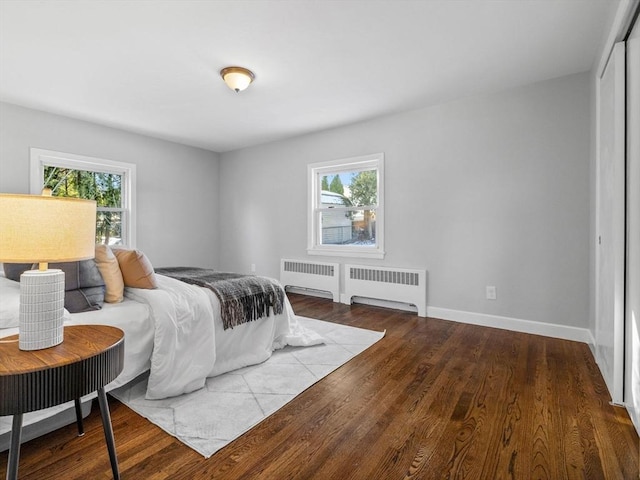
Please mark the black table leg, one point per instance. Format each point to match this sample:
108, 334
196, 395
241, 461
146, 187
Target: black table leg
108, 432
14, 448
79, 418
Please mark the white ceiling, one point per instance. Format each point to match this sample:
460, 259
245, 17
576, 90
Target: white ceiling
152, 66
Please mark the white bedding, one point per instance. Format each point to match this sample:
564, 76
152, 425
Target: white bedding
175, 331
170, 331
190, 343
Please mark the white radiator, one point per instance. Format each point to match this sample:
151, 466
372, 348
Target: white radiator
314, 275
382, 283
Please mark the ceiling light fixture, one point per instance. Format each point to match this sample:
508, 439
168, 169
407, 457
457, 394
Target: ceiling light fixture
237, 78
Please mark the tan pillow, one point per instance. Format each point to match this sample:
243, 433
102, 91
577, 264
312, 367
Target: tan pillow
136, 269
110, 270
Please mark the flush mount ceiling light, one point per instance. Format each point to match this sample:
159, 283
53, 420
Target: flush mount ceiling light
237, 78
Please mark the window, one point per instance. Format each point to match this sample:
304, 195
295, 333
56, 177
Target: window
346, 216
111, 184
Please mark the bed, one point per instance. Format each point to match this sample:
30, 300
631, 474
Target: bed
173, 333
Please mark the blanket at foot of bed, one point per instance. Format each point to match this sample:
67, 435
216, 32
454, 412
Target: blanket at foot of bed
190, 343
243, 298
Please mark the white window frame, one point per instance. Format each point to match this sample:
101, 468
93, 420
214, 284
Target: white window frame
315, 171
41, 158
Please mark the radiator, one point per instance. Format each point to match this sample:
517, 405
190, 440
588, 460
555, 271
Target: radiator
313, 275
382, 283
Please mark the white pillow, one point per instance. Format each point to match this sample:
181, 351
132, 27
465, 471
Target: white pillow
9, 303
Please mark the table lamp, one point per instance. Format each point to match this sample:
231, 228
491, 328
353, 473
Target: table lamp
42, 229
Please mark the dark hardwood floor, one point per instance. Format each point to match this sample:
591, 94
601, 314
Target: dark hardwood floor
433, 399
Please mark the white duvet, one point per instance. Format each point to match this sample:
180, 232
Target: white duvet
171, 331
190, 344
176, 333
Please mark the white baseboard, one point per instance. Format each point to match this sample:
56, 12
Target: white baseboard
564, 332
592, 343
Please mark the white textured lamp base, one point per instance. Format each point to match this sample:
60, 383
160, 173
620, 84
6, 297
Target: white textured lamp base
41, 309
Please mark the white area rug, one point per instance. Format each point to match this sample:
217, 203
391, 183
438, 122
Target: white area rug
232, 403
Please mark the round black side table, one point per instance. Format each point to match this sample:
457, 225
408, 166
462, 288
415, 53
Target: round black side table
90, 357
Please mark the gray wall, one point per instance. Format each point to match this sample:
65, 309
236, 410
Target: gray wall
177, 186
487, 190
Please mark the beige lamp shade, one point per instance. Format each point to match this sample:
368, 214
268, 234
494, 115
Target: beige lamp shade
42, 229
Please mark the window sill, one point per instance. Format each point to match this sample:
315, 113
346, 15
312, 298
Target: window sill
346, 252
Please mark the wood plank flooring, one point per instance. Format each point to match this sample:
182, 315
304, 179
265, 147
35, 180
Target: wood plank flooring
432, 400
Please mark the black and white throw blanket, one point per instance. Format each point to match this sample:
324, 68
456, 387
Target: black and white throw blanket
243, 298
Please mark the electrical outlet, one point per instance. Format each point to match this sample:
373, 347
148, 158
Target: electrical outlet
253, 268
492, 294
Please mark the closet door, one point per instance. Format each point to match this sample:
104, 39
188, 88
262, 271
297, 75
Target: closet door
610, 219
632, 334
